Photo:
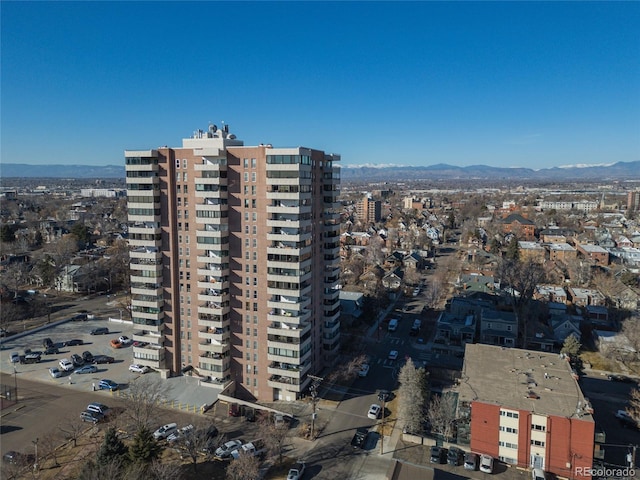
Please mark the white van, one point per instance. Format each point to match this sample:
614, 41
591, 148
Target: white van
393, 325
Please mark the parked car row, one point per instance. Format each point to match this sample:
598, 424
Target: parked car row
94, 413
455, 456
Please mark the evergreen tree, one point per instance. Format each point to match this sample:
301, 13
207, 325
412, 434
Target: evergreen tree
144, 447
513, 249
571, 346
112, 448
411, 396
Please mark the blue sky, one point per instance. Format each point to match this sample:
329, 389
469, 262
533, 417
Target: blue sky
536, 84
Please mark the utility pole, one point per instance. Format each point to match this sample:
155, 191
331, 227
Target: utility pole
35, 443
313, 389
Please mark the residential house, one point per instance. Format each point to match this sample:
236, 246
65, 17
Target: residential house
476, 283
540, 337
498, 328
351, 304
581, 297
393, 280
520, 226
452, 334
69, 279
413, 261
595, 253
598, 317
565, 325
556, 235
562, 252
394, 260
532, 251
371, 277
551, 293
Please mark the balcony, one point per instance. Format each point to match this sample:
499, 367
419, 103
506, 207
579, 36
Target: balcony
208, 358
150, 243
212, 347
212, 322
154, 325
149, 337
282, 329
214, 308
293, 317
285, 383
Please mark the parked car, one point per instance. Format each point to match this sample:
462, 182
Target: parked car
393, 355
374, 411
124, 340
47, 342
31, 357
165, 430
254, 449
87, 356
66, 365
52, 350
139, 368
224, 451
74, 342
103, 359
16, 458
296, 471
106, 384
86, 369
364, 370
384, 395
438, 454
55, 372
471, 461
98, 408
360, 437
115, 343
538, 474
455, 457
486, 463
100, 331
77, 360
178, 433
15, 357
90, 416
626, 420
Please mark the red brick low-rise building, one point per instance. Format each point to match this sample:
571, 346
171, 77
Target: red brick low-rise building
527, 409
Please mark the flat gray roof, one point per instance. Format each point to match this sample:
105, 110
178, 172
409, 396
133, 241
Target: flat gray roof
505, 377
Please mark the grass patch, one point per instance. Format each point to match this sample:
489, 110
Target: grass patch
598, 362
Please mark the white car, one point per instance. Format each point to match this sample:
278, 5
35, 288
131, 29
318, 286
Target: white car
178, 433
364, 370
139, 368
165, 430
374, 411
66, 365
125, 340
393, 355
486, 463
55, 372
296, 471
15, 357
224, 451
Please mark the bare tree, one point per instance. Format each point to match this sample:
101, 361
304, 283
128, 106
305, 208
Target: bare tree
442, 414
411, 396
197, 440
164, 471
273, 436
142, 400
411, 276
346, 372
432, 294
245, 467
48, 447
72, 428
634, 405
631, 330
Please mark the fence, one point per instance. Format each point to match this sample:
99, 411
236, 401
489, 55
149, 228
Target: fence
8, 396
186, 407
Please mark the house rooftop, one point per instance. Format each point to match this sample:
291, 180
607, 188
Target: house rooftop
526, 380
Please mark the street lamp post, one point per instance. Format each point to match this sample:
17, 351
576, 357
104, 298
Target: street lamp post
382, 428
15, 383
35, 444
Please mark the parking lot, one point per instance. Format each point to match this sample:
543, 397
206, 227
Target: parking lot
117, 371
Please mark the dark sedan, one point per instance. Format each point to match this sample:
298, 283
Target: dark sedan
103, 359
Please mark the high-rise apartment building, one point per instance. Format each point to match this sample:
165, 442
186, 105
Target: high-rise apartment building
369, 210
235, 262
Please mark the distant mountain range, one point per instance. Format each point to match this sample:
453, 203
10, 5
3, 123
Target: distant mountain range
616, 171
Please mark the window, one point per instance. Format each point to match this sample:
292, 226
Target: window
537, 443
508, 328
255, 280
246, 162
253, 203
184, 163
179, 238
246, 216
255, 319
255, 332
255, 269
255, 307
246, 176
255, 382
539, 428
255, 345
180, 251
253, 176
246, 268
248, 356
187, 251
177, 176
508, 445
246, 242
246, 281
508, 429
246, 203
246, 229
255, 232
255, 216
255, 357
184, 176
509, 414
247, 305
186, 214
179, 201
248, 331
248, 294
246, 255
186, 190
177, 163
255, 255
178, 188
247, 318
253, 163
253, 189
246, 190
